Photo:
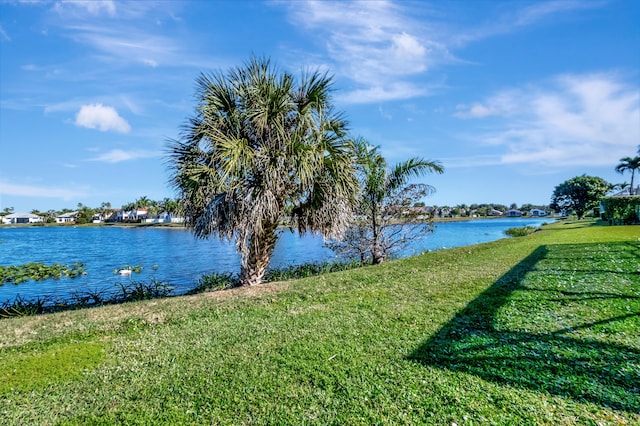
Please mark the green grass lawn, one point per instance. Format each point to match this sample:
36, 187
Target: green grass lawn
541, 329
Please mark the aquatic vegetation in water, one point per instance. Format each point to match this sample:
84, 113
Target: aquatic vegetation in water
124, 292
128, 269
38, 271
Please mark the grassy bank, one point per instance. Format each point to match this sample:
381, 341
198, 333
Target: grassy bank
541, 329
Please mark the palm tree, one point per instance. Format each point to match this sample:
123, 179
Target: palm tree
261, 144
143, 202
384, 189
170, 206
629, 164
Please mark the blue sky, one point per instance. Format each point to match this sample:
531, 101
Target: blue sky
513, 97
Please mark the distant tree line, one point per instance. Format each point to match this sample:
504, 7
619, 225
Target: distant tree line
479, 210
171, 205
106, 210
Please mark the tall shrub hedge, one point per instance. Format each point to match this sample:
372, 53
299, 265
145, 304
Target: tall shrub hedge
620, 210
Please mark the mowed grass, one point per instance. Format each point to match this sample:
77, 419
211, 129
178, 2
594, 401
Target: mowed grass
541, 329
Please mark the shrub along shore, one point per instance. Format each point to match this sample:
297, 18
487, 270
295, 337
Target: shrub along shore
538, 329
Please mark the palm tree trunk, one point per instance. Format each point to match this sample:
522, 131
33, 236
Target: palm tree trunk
377, 255
258, 256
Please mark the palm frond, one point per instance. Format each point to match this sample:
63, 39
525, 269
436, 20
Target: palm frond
260, 142
628, 163
414, 167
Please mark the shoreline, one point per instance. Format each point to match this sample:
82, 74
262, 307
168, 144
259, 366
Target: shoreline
183, 226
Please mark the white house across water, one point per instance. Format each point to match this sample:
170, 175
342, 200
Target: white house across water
15, 218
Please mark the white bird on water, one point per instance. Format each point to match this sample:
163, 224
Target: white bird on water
125, 271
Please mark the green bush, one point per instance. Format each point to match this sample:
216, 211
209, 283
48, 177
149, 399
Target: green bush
21, 307
621, 210
214, 281
139, 290
521, 232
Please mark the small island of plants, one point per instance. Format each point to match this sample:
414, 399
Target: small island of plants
39, 271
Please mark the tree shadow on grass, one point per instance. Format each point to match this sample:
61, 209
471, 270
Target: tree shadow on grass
498, 336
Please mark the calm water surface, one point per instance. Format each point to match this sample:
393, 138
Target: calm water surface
174, 256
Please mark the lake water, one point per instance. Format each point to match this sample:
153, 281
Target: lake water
174, 256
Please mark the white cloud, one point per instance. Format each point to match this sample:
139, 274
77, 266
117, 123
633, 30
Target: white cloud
378, 44
512, 20
471, 161
3, 34
504, 103
121, 101
391, 92
103, 118
93, 7
118, 155
134, 34
409, 51
126, 44
130, 103
8, 188
474, 111
384, 114
150, 62
62, 106
373, 43
538, 11
585, 120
